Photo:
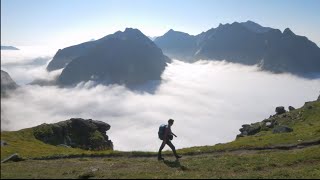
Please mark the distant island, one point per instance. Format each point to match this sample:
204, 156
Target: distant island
9, 48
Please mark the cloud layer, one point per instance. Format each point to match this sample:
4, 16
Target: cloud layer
209, 102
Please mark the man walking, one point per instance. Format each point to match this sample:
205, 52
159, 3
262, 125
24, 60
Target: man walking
167, 137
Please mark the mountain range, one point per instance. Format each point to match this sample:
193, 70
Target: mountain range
247, 43
8, 48
130, 57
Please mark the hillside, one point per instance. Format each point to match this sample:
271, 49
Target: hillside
264, 154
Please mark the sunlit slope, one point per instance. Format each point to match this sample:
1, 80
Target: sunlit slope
304, 121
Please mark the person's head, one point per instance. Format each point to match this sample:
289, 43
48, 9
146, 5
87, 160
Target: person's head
170, 122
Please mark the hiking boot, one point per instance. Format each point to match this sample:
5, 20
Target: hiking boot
160, 158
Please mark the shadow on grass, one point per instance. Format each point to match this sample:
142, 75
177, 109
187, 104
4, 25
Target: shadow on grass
175, 164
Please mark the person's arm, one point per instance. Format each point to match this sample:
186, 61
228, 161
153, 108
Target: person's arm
173, 134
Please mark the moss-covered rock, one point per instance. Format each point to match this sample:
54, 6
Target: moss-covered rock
76, 132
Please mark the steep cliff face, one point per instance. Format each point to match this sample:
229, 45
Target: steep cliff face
7, 84
76, 132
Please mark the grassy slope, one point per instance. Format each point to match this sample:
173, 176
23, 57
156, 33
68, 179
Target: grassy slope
301, 163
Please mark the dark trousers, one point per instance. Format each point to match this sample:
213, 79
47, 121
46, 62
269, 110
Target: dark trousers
168, 142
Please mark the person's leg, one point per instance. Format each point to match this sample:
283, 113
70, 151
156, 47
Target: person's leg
173, 149
160, 149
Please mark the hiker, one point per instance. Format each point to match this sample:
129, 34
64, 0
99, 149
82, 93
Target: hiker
167, 136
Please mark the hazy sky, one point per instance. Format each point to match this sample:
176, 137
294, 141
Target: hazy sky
61, 22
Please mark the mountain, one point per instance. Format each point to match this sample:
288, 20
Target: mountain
177, 44
127, 57
254, 27
246, 43
8, 48
7, 84
152, 38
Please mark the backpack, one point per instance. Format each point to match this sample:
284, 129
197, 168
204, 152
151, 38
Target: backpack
161, 131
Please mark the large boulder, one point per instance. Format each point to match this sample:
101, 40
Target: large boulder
249, 130
318, 98
280, 110
291, 108
76, 132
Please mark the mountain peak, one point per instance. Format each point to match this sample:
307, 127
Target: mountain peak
288, 31
131, 30
255, 27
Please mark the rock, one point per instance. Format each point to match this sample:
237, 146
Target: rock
248, 130
309, 107
291, 108
14, 157
318, 98
269, 124
63, 145
3, 143
280, 110
78, 133
282, 129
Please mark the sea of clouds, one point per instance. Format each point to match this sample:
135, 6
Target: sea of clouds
208, 100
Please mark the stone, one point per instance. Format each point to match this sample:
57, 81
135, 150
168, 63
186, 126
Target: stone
291, 108
280, 110
248, 130
14, 157
3, 143
64, 145
86, 134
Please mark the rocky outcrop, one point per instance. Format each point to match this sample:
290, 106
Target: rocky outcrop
318, 98
280, 122
291, 108
280, 110
78, 133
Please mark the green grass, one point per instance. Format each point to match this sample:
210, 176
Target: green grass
299, 163
26, 145
306, 127
230, 160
